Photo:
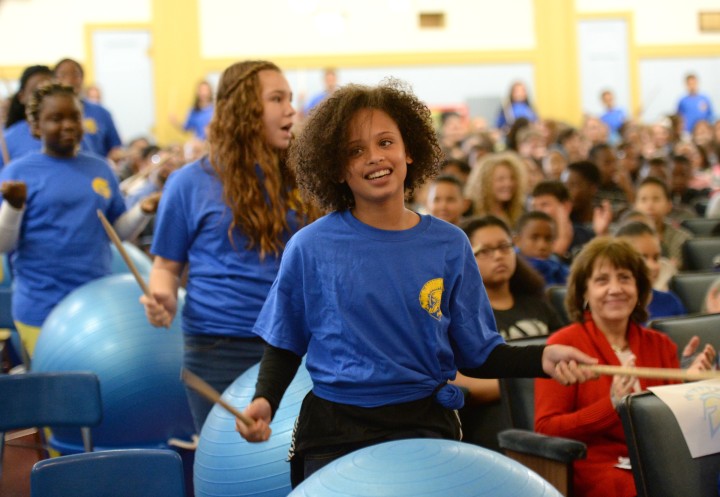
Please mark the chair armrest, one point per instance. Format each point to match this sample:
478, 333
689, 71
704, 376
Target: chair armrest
559, 449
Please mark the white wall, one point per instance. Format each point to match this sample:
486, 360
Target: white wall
660, 22
45, 31
318, 27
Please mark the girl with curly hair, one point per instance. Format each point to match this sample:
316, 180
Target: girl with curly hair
227, 217
497, 186
386, 303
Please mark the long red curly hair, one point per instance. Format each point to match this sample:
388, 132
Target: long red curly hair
258, 187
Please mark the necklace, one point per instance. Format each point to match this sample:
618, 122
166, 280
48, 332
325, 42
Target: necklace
618, 349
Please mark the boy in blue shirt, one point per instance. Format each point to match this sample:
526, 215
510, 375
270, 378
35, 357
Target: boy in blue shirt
386, 303
694, 106
535, 235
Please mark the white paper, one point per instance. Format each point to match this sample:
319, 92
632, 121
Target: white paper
696, 407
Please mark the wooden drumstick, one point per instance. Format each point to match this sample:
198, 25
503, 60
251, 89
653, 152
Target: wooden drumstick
118, 244
200, 386
655, 373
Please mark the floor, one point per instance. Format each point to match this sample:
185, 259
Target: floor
20, 455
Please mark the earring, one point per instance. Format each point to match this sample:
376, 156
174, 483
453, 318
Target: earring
586, 305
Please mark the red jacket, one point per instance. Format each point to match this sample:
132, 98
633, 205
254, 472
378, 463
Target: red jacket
585, 412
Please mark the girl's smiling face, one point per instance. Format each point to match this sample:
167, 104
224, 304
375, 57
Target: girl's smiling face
504, 184
59, 125
376, 159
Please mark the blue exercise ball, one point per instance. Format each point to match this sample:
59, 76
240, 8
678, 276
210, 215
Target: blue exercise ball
227, 465
427, 467
140, 259
101, 327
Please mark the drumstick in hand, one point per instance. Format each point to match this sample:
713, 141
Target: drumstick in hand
201, 387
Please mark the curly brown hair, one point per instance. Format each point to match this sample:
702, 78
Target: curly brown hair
618, 253
238, 149
320, 154
47, 89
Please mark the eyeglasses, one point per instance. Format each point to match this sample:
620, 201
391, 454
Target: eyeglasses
487, 252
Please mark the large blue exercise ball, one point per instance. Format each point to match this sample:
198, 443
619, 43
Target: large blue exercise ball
427, 467
227, 465
101, 327
140, 260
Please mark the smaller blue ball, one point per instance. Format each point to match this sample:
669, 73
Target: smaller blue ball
227, 465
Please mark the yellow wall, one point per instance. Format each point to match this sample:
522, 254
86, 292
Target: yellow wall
177, 65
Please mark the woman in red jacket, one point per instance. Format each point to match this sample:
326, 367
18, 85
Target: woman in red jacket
608, 291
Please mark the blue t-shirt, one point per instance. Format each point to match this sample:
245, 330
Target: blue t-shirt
384, 316
99, 129
62, 243
198, 120
227, 283
552, 270
665, 305
20, 141
613, 118
507, 116
695, 108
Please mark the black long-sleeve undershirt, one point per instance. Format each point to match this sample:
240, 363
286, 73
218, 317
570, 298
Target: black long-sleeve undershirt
278, 368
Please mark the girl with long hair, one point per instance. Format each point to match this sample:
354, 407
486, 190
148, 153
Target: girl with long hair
226, 218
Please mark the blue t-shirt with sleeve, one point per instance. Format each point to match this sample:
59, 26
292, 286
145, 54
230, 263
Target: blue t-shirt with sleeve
20, 141
665, 305
197, 121
99, 129
695, 108
507, 116
613, 119
384, 316
227, 283
62, 243
553, 271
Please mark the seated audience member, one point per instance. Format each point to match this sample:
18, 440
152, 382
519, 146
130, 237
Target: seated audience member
607, 289
571, 143
497, 186
553, 198
445, 199
583, 181
685, 200
653, 200
516, 294
667, 267
657, 167
515, 290
455, 167
615, 185
534, 237
453, 132
645, 240
711, 304
554, 163
531, 143
630, 160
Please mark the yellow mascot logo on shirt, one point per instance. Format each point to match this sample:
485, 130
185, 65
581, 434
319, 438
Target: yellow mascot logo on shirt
101, 187
90, 126
431, 296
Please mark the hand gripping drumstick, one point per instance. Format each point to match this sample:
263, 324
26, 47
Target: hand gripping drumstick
118, 244
201, 387
657, 373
